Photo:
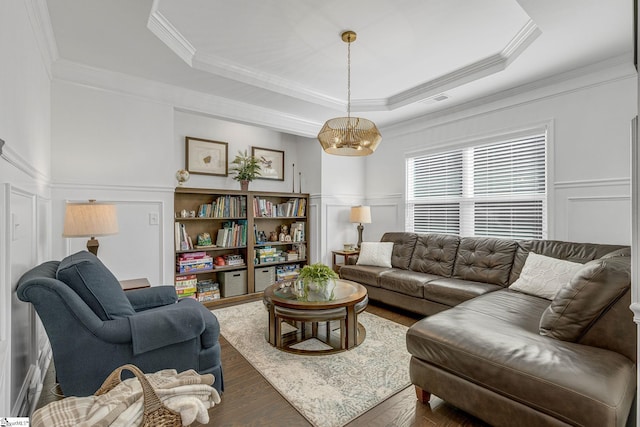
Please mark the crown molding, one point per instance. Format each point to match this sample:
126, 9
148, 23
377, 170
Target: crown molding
183, 99
162, 28
40, 20
475, 71
168, 34
603, 72
20, 163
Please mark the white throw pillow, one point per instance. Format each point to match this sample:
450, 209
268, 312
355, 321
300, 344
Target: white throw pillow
377, 254
543, 276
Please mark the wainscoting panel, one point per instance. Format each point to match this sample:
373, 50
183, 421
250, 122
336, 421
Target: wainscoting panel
5, 303
604, 219
138, 249
23, 255
597, 211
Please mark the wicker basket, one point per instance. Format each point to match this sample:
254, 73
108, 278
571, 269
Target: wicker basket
155, 413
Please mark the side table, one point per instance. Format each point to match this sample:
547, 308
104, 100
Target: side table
131, 284
345, 255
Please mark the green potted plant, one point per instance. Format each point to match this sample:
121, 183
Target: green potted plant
318, 282
246, 169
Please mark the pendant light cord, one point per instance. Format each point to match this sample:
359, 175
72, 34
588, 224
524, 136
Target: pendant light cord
349, 80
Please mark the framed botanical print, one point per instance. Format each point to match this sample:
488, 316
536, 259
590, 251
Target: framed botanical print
206, 157
271, 163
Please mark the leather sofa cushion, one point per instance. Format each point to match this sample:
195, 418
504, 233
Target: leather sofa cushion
405, 281
454, 291
403, 246
588, 294
484, 259
364, 274
493, 341
569, 251
435, 254
95, 284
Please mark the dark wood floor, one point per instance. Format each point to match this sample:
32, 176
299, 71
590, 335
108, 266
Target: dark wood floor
249, 400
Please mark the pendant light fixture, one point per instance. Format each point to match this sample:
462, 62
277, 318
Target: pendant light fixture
349, 136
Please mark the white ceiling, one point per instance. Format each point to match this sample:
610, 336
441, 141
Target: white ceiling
286, 56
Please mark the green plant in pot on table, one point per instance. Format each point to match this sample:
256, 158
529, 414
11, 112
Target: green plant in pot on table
246, 169
318, 282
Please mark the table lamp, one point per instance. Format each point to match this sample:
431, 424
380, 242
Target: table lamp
90, 219
361, 215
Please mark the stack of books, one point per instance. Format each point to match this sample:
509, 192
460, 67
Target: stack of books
208, 290
193, 262
186, 286
267, 254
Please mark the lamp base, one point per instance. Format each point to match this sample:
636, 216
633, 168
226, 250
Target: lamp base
92, 246
360, 228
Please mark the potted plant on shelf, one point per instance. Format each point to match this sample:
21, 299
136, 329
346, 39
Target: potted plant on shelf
246, 169
318, 282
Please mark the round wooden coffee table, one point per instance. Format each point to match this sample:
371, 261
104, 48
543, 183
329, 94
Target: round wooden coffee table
293, 323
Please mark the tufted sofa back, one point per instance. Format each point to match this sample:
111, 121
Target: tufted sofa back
403, 247
485, 259
435, 254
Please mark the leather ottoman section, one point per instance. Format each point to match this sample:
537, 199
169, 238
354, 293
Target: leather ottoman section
435, 254
403, 247
581, 384
485, 259
491, 407
568, 251
454, 291
364, 274
405, 281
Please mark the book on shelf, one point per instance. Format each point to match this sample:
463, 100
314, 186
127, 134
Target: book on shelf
233, 233
294, 207
297, 231
182, 239
224, 206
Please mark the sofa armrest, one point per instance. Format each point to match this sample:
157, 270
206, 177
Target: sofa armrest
147, 298
164, 326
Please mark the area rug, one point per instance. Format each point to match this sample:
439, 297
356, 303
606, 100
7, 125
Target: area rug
328, 390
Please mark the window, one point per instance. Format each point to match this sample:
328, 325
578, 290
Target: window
496, 189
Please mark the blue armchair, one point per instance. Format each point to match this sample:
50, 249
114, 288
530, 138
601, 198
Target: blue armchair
95, 327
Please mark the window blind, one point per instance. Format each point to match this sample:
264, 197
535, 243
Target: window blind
496, 189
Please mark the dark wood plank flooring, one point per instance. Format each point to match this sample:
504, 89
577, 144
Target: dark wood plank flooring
249, 400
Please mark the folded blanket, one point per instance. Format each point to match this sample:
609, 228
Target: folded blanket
187, 393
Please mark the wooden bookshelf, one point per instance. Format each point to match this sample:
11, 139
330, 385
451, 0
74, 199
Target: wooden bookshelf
262, 213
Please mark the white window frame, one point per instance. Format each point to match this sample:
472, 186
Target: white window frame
467, 201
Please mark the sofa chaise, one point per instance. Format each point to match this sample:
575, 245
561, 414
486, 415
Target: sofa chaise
497, 348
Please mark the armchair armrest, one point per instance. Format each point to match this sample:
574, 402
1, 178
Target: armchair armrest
164, 326
156, 296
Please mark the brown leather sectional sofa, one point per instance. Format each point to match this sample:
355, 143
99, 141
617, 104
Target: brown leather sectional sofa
508, 357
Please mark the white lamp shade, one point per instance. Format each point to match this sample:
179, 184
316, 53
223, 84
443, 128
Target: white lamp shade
90, 220
361, 214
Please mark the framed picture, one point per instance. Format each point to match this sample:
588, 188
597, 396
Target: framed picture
206, 157
271, 161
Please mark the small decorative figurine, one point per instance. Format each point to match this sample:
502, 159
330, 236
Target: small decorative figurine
273, 237
283, 233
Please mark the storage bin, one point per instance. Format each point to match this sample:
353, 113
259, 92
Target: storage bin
264, 277
233, 283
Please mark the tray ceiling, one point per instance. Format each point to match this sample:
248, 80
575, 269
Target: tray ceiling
411, 57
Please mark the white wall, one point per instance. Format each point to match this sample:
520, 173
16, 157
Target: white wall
589, 166
126, 149
116, 148
24, 200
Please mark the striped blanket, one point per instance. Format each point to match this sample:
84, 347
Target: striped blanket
188, 393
